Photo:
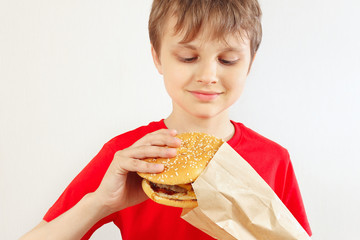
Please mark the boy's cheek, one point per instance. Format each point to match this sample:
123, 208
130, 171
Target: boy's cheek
177, 72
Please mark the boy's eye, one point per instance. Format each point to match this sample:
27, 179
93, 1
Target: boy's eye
188, 60
223, 61
227, 62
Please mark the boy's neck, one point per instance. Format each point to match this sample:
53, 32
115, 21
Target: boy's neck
219, 126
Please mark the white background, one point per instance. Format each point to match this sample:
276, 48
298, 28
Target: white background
74, 74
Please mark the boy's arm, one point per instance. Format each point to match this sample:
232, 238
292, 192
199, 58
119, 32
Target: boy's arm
119, 188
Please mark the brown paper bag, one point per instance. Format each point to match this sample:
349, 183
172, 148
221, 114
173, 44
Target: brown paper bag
236, 203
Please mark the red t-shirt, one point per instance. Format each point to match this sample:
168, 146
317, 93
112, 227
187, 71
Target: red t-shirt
270, 160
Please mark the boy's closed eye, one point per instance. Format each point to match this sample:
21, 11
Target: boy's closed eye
221, 60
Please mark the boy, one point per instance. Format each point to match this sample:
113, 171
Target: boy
204, 50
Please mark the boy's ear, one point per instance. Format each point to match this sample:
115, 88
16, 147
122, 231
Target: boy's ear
156, 60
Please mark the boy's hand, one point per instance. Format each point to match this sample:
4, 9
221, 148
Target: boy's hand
121, 186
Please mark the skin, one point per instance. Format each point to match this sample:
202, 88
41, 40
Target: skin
203, 78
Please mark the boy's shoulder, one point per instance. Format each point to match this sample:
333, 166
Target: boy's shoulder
253, 143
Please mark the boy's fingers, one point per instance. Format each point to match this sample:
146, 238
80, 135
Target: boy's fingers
172, 132
146, 151
135, 165
163, 137
165, 140
161, 143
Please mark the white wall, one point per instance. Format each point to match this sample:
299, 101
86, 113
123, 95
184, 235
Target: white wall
74, 74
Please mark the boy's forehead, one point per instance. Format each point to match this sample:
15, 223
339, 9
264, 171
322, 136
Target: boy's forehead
230, 41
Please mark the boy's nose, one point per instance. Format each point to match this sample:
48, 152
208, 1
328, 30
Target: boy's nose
206, 73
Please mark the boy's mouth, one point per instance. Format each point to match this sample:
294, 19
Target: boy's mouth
205, 96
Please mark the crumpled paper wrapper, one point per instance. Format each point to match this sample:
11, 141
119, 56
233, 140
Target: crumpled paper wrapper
236, 203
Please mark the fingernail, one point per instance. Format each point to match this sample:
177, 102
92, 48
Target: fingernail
177, 141
171, 151
173, 132
159, 167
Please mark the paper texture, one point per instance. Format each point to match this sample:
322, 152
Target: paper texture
236, 203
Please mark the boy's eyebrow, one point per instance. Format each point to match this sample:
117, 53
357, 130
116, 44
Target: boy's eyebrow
232, 49
226, 49
186, 45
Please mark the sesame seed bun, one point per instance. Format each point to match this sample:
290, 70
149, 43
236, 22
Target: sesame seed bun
195, 152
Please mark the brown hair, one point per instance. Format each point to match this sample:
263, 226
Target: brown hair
223, 16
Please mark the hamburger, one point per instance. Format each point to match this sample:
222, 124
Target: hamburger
173, 187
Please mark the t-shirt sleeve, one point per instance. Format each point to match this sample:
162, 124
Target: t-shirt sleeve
85, 182
291, 197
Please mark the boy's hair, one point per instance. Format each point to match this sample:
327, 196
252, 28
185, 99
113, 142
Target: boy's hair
222, 16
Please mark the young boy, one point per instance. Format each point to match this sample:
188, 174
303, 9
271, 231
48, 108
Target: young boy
204, 50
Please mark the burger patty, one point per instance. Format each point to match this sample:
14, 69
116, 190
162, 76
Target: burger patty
167, 189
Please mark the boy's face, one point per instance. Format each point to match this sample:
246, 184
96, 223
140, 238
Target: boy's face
203, 78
